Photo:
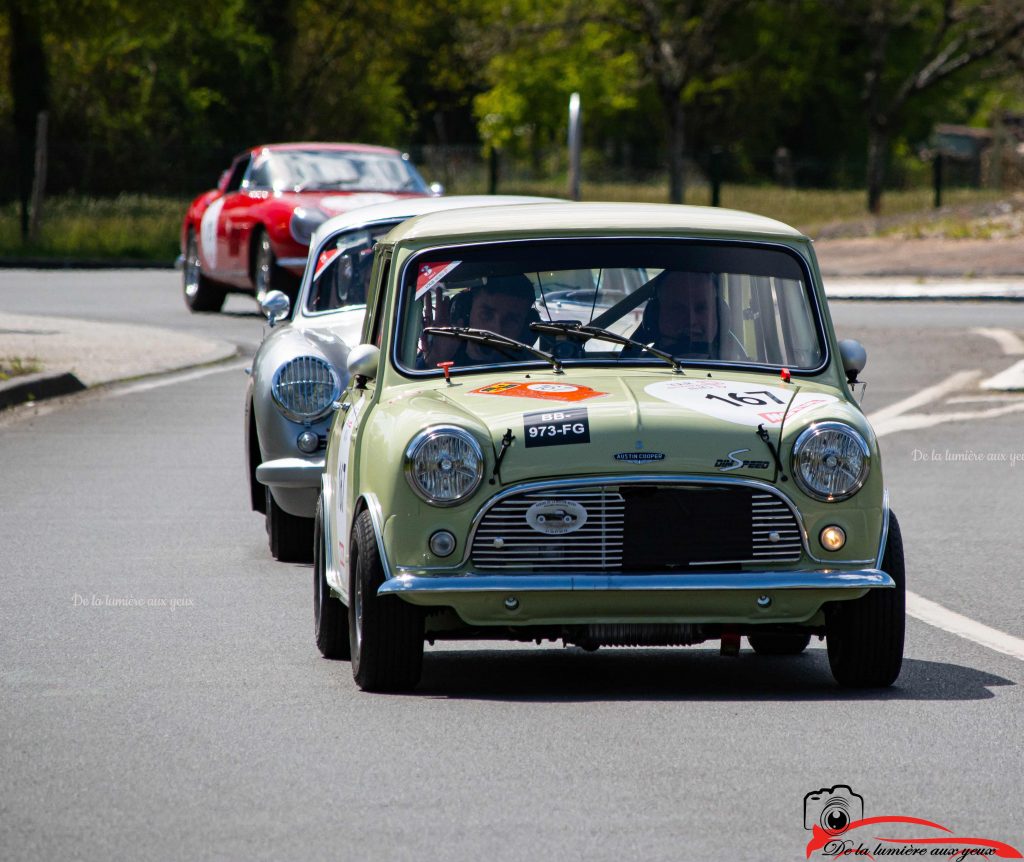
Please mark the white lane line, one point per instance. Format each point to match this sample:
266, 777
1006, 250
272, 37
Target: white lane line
935, 615
1010, 380
992, 397
960, 380
172, 379
889, 420
928, 420
1009, 342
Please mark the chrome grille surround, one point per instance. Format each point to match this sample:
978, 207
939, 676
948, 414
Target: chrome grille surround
502, 540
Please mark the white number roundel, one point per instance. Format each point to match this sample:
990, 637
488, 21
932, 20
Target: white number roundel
737, 402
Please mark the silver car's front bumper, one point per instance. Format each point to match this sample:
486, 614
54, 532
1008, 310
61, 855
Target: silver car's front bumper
291, 472
294, 482
725, 597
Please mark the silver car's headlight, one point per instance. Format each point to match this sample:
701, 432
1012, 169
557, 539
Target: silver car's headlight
305, 388
831, 461
444, 464
304, 222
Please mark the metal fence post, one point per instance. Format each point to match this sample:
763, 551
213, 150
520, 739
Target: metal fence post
39, 177
492, 172
716, 176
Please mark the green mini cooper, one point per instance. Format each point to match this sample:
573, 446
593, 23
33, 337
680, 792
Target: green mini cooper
610, 425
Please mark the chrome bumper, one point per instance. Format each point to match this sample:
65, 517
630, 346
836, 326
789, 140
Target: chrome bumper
474, 582
291, 473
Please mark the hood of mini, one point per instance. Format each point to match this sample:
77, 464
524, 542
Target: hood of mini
586, 422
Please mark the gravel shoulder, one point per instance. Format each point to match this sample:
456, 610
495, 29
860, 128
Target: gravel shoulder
924, 258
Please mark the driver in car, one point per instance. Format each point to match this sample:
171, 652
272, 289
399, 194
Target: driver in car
503, 305
681, 317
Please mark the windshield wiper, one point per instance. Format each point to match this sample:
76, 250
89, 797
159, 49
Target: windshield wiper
493, 339
588, 332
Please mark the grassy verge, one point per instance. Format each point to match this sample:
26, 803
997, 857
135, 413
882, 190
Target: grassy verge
128, 227
13, 366
145, 228
813, 211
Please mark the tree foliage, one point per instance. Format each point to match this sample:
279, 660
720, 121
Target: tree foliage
156, 96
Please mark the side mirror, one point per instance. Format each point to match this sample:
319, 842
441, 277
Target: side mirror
854, 357
362, 361
436, 189
276, 306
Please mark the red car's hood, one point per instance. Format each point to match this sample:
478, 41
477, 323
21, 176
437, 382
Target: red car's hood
335, 203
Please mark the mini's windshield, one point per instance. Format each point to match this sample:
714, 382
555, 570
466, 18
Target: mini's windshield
336, 170
341, 274
588, 302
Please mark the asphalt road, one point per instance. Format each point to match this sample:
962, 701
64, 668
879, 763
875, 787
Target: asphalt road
195, 719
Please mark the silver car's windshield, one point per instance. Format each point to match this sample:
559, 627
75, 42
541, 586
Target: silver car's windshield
342, 270
699, 302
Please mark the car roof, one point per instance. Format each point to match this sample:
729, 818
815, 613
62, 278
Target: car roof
325, 145
406, 208
596, 219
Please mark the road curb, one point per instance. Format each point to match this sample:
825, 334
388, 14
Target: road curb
37, 387
925, 290
51, 263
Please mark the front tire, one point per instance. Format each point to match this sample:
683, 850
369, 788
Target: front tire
330, 616
266, 274
385, 632
865, 636
200, 293
290, 537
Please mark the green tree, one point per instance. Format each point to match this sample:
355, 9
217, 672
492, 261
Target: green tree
910, 47
29, 82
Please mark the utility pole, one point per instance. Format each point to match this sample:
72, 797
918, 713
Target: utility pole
575, 143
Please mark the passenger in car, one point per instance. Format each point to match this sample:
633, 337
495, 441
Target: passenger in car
681, 317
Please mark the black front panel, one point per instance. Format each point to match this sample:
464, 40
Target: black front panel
682, 529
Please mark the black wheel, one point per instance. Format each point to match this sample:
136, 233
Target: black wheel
200, 293
865, 636
779, 644
385, 633
257, 490
266, 274
290, 536
330, 616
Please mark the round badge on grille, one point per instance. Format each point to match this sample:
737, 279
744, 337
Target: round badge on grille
556, 517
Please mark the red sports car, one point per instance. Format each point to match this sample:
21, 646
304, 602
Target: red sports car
251, 233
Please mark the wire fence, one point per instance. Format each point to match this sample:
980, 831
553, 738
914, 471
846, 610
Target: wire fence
79, 166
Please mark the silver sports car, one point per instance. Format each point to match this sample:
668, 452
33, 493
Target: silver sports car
299, 370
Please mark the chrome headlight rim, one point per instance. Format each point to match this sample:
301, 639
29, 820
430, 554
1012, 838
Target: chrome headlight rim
294, 415
816, 430
429, 434
304, 222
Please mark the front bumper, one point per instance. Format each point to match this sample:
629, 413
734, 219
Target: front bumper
556, 599
291, 472
294, 482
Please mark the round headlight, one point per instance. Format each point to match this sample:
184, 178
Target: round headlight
305, 388
830, 461
444, 465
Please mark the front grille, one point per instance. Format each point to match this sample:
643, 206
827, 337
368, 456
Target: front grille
505, 540
637, 528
